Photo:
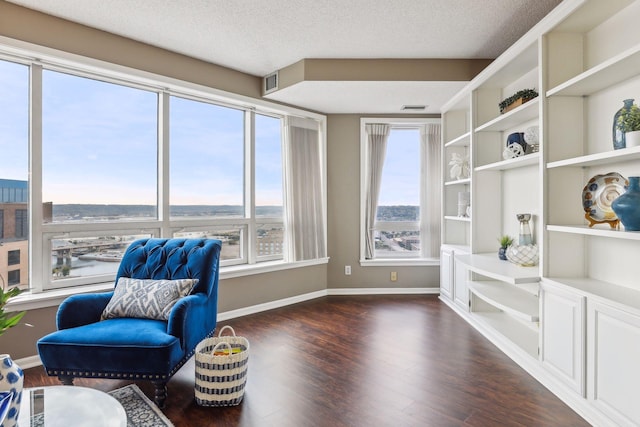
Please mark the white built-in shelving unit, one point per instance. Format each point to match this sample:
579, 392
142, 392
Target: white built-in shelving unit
573, 321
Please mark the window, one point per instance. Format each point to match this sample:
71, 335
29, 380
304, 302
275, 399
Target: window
397, 218
13, 277
400, 190
22, 224
232, 238
269, 198
79, 260
118, 157
13, 257
99, 149
14, 173
268, 149
207, 159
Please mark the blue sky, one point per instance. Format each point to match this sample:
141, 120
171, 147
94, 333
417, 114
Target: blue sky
401, 171
14, 116
99, 146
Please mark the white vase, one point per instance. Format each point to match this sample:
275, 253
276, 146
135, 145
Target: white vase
11, 379
632, 139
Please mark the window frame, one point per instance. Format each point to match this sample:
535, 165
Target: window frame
420, 259
40, 232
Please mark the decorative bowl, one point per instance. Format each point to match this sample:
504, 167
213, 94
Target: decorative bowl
523, 255
599, 193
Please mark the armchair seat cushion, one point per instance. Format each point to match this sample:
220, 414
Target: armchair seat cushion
117, 346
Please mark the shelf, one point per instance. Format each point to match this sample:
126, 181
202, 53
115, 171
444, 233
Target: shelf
608, 157
516, 332
599, 230
457, 218
589, 15
516, 162
524, 113
491, 266
464, 181
591, 287
618, 69
508, 298
461, 141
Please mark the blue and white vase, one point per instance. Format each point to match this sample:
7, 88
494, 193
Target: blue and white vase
11, 379
627, 205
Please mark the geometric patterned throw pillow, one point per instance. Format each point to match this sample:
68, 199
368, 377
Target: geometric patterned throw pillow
146, 298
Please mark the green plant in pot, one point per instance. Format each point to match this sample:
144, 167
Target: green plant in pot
505, 242
628, 122
9, 320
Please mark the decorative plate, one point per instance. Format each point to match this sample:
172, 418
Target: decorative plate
599, 193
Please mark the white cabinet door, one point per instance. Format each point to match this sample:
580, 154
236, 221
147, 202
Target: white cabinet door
446, 273
562, 326
613, 373
460, 290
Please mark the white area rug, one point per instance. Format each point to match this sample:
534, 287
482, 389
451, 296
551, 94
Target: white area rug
141, 411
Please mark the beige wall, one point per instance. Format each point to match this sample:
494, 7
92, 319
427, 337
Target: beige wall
343, 216
20, 341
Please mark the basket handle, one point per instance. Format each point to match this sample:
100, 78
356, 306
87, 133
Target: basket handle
226, 327
222, 343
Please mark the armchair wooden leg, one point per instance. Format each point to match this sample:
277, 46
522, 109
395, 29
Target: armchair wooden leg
160, 393
66, 379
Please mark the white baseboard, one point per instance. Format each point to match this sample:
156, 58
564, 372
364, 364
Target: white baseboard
29, 362
318, 294
226, 315
382, 291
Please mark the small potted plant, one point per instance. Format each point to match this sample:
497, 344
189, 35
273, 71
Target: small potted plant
517, 99
505, 242
628, 122
7, 321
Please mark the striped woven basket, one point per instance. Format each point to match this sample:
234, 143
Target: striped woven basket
221, 369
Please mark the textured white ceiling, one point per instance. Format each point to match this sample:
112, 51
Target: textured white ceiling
261, 36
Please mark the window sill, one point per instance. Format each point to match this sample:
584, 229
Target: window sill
52, 298
400, 262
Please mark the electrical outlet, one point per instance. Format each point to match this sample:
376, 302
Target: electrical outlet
394, 276
347, 270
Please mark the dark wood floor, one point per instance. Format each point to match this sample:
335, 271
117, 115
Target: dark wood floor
365, 361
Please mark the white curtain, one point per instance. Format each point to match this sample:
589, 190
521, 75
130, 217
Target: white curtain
304, 195
433, 152
377, 136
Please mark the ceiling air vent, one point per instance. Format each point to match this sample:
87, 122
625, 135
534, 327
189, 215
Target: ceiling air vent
271, 83
414, 107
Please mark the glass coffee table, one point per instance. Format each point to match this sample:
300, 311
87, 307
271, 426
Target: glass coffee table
69, 406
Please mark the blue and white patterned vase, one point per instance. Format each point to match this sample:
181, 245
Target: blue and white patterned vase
11, 379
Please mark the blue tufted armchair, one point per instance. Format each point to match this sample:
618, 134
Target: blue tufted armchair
88, 346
